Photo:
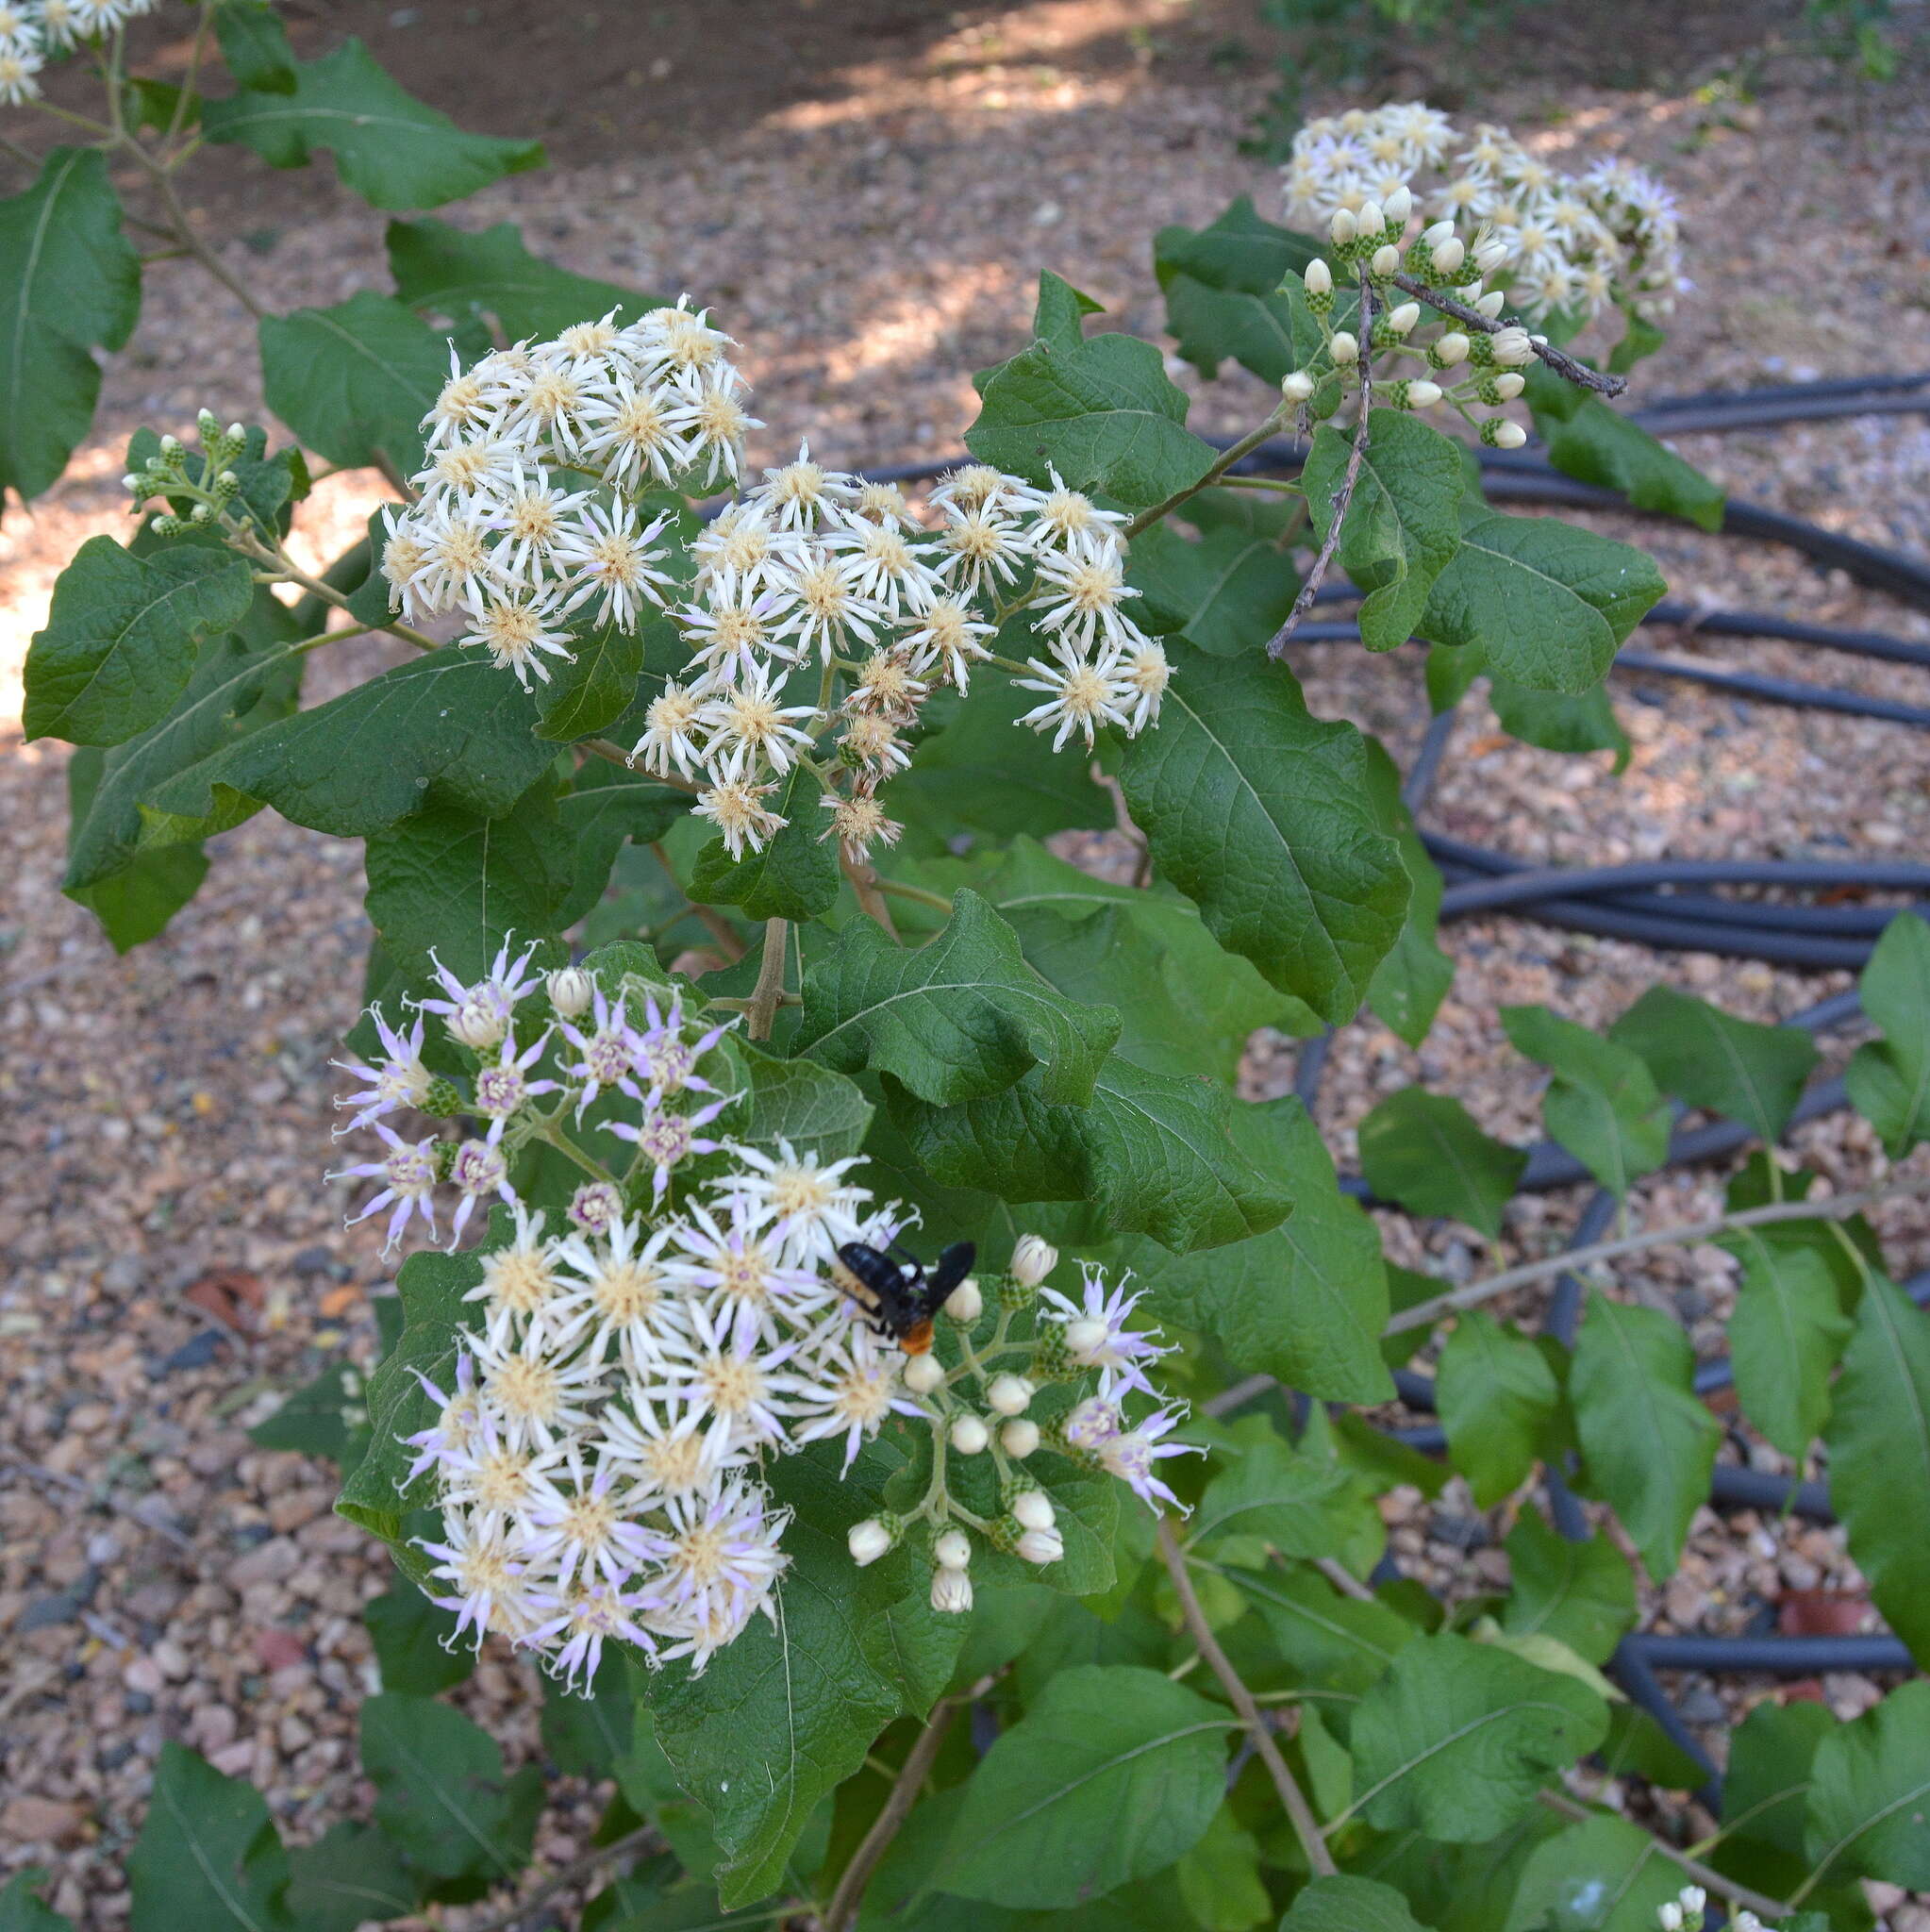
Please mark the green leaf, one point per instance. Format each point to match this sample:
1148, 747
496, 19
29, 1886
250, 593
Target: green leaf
1403, 523
1409, 984
1329, 1641
323, 1418
1345, 1903
1602, 1105
1100, 410
1113, 1774
69, 283
355, 381
138, 901
1889, 1079
1554, 721
1457, 1738
1588, 440
819, 1113
449, 878
1424, 1151
960, 1017
1639, 338
1297, 1500
594, 688
1647, 1440
22, 1908
1262, 816
1307, 1300
208, 1855
410, 1635
1219, 1879
1548, 602
590, 1736
1879, 1456
1150, 1152
606, 808
1766, 1791
1785, 1332
1603, 1874
1496, 1395
389, 148
444, 725
1581, 1592
447, 271
441, 1793
254, 46
1228, 293
1871, 1796
351, 1874
1228, 593
795, 877
1751, 1073
122, 638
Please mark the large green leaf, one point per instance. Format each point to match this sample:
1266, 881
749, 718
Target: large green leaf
1113, 1774
1548, 602
1228, 293
1409, 984
146, 888
1101, 412
208, 1855
415, 1641
1497, 1396
1580, 1593
1602, 1104
394, 150
445, 270
1751, 1073
69, 283
1262, 816
957, 1019
122, 638
1870, 1798
1230, 591
446, 725
1889, 1079
355, 381
1587, 440
605, 806
588, 1734
1150, 1152
351, 1874
1424, 1151
1603, 1874
819, 1112
1346, 1904
795, 877
1404, 523
440, 1792
254, 46
1307, 1300
1457, 1738
1329, 1641
1766, 1793
1879, 1456
1300, 1501
1785, 1332
1647, 1440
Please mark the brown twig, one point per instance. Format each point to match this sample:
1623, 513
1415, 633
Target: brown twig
1245, 446
1306, 1825
1563, 365
184, 231
768, 990
714, 922
864, 882
1344, 497
1705, 1875
564, 1877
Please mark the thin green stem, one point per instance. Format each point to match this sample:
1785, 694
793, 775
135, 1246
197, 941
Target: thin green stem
87, 121
899, 890
178, 120
1705, 1875
1244, 447
554, 1136
1278, 484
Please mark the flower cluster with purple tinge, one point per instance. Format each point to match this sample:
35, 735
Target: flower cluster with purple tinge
637, 1354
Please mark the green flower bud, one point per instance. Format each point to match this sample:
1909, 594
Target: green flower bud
440, 1099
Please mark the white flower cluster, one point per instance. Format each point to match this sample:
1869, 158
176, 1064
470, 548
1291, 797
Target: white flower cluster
1559, 242
599, 1439
1684, 1913
29, 28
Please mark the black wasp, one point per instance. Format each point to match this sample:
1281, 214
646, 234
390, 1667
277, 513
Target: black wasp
901, 1301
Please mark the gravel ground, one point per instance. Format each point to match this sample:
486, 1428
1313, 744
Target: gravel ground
175, 1260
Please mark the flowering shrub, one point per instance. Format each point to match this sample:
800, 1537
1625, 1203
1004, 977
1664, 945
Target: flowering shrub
844, 1287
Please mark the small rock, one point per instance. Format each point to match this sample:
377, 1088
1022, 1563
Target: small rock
293, 1734
144, 1676
211, 1726
1463, 1532
279, 1649
122, 1275
268, 1562
64, 1607
172, 1659
32, 1819
298, 1507
311, 1261
197, 1352
237, 1761
1700, 1706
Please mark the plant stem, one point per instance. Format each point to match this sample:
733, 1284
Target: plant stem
603, 748
1244, 447
762, 1009
1293, 1800
1705, 1875
1563, 365
1474, 1293
184, 231
917, 894
552, 1136
178, 120
864, 882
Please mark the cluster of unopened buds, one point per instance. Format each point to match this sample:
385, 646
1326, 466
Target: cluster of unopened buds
204, 484
981, 1407
1558, 243
600, 1434
29, 28
1684, 1913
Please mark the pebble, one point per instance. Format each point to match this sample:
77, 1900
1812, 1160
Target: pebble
268, 1562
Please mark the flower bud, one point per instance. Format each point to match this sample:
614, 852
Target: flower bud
1295, 388
1386, 260
1499, 433
1669, 1916
1448, 254
1397, 208
970, 1436
1010, 1394
1437, 235
1033, 1260
1491, 303
1041, 1546
951, 1592
922, 1373
1370, 221
200, 513
206, 424
571, 991
1086, 1336
441, 1101
1414, 395
1019, 1438
1033, 1508
1490, 256
171, 446
1403, 319
1319, 278
1344, 349
477, 1023
1450, 351
869, 1540
966, 1302
237, 435
953, 1550
1509, 384
132, 484
1512, 347
1342, 229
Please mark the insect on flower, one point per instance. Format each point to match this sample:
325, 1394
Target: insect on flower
902, 1302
